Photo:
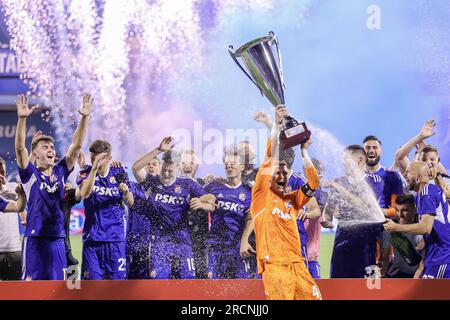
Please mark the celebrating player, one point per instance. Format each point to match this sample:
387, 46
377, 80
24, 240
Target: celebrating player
228, 221
104, 189
43, 245
274, 213
434, 223
354, 247
171, 197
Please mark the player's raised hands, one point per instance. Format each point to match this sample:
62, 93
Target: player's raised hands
280, 113
428, 129
86, 107
23, 111
305, 145
166, 144
100, 160
264, 118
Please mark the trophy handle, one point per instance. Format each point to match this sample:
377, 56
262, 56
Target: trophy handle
275, 40
230, 48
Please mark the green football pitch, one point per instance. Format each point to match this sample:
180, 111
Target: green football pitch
326, 247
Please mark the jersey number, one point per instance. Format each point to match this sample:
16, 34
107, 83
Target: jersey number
246, 265
190, 263
123, 263
316, 292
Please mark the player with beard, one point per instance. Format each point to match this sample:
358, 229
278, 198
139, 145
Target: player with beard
170, 198
295, 181
274, 212
43, 252
434, 222
385, 184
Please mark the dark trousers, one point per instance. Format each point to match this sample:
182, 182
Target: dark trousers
10, 268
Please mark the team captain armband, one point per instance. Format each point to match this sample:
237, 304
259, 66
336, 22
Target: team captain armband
306, 189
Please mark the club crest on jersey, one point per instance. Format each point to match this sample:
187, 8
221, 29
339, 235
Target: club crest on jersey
288, 189
242, 196
52, 178
178, 189
112, 179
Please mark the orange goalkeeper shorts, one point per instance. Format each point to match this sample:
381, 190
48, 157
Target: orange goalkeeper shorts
289, 282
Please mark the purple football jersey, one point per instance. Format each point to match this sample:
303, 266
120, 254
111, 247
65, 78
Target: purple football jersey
431, 200
228, 220
170, 206
45, 199
104, 208
384, 184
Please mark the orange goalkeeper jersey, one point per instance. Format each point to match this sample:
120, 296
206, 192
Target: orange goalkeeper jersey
277, 237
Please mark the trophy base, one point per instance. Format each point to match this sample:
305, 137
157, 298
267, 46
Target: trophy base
294, 136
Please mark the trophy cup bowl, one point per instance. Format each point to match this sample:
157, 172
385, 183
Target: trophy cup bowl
263, 70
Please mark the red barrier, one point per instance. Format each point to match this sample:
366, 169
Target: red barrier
335, 289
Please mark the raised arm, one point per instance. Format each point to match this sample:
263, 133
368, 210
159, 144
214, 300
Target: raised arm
88, 185
138, 167
23, 113
262, 117
80, 133
402, 153
19, 205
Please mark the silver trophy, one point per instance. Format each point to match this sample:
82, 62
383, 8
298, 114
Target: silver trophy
263, 70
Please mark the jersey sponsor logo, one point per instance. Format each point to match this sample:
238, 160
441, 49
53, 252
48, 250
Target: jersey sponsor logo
49, 189
230, 206
103, 191
166, 198
281, 214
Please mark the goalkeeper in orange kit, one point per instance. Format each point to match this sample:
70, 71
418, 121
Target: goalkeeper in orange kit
274, 214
